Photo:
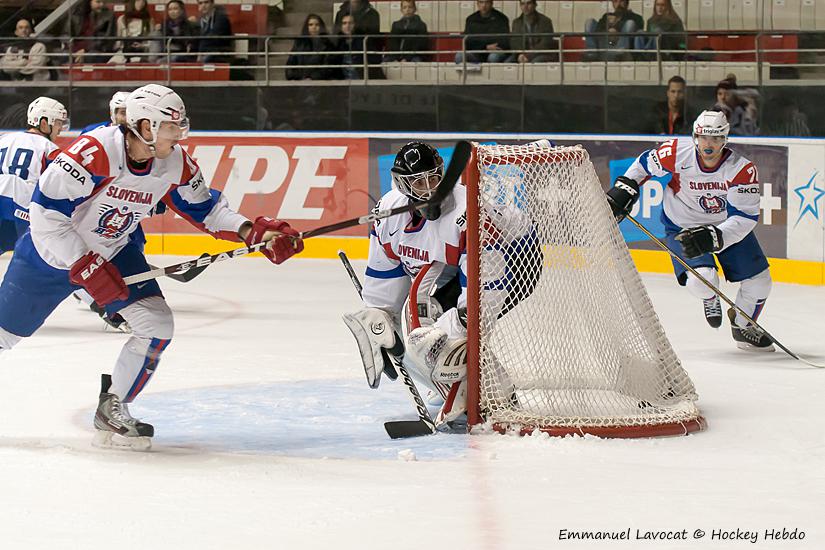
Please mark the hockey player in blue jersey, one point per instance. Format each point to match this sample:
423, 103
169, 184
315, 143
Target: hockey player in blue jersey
711, 207
23, 156
86, 204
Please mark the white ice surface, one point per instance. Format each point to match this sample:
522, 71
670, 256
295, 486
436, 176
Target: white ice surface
268, 437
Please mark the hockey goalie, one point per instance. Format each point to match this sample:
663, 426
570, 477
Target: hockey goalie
415, 285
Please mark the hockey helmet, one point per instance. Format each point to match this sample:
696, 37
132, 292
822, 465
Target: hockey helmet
48, 108
417, 170
157, 104
118, 101
711, 123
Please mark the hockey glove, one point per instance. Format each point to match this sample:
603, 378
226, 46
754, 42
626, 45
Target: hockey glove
622, 196
100, 278
283, 240
700, 240
381, 348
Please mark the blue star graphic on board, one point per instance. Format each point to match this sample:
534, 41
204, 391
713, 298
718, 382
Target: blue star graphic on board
809, 195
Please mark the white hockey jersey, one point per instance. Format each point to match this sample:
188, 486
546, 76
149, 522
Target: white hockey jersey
91, 197
726, 196
23, 156
400, 248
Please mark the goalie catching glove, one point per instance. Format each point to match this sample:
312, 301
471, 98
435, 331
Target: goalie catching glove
381, 348
700, 240
622, 196
284, 242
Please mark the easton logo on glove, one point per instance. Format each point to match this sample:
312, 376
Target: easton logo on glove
96, 263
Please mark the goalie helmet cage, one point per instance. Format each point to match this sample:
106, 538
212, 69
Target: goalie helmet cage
562, 335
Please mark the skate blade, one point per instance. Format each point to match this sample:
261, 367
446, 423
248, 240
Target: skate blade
748, 347
109, 440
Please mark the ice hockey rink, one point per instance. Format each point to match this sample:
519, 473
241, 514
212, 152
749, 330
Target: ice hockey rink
268, 437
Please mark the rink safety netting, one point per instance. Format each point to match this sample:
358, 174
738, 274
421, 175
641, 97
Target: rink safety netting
568, 336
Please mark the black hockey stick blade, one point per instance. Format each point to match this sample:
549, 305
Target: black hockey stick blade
188, 275
400, 429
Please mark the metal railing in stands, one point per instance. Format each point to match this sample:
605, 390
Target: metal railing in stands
770, 57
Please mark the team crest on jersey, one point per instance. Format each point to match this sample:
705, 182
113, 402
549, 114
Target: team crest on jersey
713, 204
114, 221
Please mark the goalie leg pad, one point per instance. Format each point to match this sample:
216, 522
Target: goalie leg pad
444, 358
381, 349
455, 406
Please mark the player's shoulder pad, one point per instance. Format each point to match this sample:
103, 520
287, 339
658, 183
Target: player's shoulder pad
87, 151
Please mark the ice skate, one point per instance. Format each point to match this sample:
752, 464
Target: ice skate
112, 321
749, 338
713, 311
115, 427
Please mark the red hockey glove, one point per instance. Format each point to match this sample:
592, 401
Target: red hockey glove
100, 278
283, 240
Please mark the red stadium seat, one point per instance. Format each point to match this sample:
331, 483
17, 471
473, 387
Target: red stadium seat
149, 72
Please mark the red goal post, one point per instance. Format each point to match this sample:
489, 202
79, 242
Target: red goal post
562, 336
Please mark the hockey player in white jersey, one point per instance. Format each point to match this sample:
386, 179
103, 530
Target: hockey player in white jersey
117, 112
85, 206
415, 285
23, 156
711, 207
117, 117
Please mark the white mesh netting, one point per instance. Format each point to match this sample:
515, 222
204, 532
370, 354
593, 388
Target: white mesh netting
569, 337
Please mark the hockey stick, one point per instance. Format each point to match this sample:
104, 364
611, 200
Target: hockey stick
711, 286
461, 154
398, 429
188, 275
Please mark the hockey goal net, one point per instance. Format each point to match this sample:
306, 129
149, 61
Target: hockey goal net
562, 335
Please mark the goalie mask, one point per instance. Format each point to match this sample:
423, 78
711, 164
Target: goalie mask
417, 171
711, 123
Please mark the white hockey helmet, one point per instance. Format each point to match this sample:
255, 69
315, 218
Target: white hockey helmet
118, 101
157, 104
711, 123
48, 108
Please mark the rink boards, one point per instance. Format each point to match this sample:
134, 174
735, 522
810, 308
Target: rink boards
315, 179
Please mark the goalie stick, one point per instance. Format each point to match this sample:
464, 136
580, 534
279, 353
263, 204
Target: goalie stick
461, 154
398, 429
711, 286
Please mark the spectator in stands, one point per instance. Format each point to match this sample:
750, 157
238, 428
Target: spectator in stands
664, 20
25, 59
531, 32
310, 51
133, 24
403, 35
351, 57
91, 25
740, 106
366, 18
670, 114
215, 30
486, 21
619, 25
178, 32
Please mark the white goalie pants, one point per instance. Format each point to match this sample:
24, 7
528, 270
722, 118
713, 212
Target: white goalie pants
152, 329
